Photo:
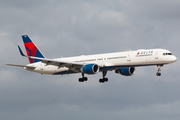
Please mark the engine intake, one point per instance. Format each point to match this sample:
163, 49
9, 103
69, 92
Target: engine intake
126, 71
90, 69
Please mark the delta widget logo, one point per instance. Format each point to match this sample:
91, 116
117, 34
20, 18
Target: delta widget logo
145, 53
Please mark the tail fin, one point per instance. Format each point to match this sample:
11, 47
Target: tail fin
31, 49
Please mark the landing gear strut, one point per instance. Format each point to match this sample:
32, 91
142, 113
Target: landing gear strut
83, 78
103, 79
159, 69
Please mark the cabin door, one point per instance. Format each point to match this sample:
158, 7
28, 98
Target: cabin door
156, 55
128, 58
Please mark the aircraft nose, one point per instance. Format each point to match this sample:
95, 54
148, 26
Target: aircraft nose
174, 59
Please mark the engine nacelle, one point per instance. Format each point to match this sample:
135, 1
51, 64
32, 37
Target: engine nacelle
90, 69
126, 71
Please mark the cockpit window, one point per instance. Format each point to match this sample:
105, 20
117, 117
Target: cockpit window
167, 53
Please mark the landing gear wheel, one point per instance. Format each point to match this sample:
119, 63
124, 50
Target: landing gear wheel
80, 80
106, 79
85, 78
103, 80
158, 74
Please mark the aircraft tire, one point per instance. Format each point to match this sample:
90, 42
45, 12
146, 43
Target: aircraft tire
106, 79
81, 80
102, 80
85, 78
158, 74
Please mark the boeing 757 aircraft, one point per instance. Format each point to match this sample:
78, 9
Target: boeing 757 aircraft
123, 63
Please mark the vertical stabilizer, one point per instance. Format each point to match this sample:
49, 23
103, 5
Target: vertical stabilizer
31, 49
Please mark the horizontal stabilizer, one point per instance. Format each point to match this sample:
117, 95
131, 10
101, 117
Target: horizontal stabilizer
20, 66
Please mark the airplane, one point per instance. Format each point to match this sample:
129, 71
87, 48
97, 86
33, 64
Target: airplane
123, 63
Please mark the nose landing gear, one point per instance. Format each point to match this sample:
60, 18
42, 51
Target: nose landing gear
159, 69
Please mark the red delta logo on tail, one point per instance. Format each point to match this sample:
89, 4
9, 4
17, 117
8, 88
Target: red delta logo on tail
31, 49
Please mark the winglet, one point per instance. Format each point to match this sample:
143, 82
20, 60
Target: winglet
21, 51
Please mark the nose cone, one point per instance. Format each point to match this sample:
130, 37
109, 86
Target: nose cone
173, 58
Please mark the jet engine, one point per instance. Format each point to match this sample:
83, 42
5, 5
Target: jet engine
126, 71
90, 69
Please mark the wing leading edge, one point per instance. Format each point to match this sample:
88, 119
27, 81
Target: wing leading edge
55, 62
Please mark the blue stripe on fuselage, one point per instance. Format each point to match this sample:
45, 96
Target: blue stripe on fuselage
107, 68
64, 72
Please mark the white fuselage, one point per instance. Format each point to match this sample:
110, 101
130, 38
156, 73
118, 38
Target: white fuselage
110, 61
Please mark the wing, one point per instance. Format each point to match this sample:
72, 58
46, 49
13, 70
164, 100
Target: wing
52, 61
21, 66
59, 63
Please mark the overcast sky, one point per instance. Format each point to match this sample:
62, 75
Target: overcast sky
80, 27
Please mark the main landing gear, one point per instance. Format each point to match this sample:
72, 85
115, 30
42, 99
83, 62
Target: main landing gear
159, 69
83, 78
103, 79
100, 80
